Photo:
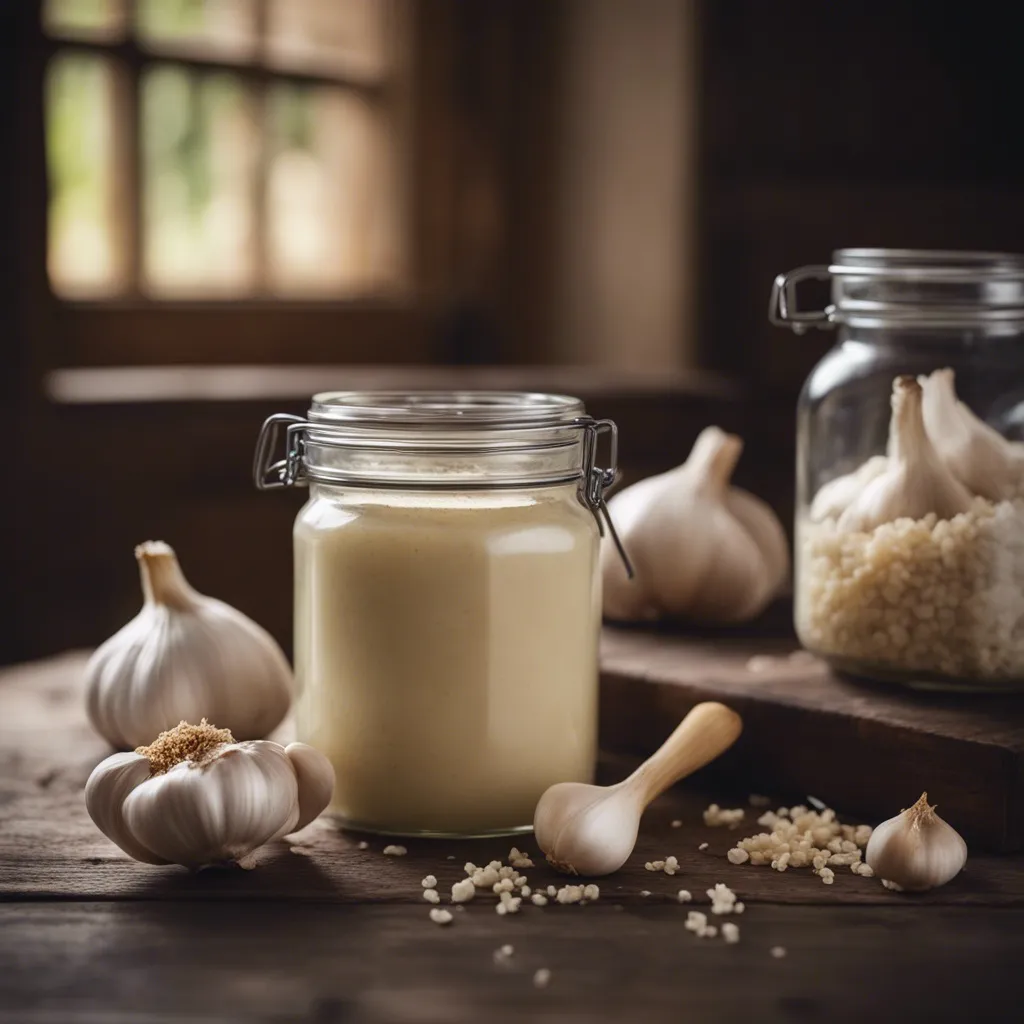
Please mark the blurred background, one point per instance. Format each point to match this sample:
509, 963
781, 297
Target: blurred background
215, 208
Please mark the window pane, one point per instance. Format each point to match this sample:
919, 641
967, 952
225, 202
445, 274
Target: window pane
329, 35
90, 19
329, 201
198, 180
84, 254
224, 28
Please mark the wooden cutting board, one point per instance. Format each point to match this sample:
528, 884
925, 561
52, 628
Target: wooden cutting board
863, 748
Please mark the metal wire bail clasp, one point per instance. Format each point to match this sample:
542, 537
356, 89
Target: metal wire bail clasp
597, 480
783, 309
269, 474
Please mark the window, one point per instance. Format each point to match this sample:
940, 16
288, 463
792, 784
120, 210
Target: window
225, 150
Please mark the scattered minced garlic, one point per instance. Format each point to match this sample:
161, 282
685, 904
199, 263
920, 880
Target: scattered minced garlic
893, 886
670, 865
738, 907
803, 837
570, 894
591, 892
502, 955
431, 896
541, 978
538, 899
715, 816
451, 856
697, 922
195, 743
505, 885
430, 882
519, 859
463, 891
778, 952
730, 932
439, 916
525, 891
395, 851
703, 846
677, 823
508, 904
645, 892
364, 845
684, 896
723, 899
552, 891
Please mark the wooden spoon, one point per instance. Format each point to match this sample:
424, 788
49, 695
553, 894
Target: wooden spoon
591, 830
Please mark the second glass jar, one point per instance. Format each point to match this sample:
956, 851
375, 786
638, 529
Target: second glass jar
910, 468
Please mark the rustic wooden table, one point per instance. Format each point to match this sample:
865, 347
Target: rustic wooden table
324, 931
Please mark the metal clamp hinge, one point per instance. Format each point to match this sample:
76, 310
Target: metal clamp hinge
597, 480
268, 473
783, 309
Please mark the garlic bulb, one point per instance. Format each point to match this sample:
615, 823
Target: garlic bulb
917, 850
184, 657
196, 797
701, 549
834, 497
916, 481
978, 456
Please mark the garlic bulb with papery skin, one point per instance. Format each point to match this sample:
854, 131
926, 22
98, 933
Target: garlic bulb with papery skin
701, 549
916, 481
195, 797
978, 456
917, 849
834, 497
184, 657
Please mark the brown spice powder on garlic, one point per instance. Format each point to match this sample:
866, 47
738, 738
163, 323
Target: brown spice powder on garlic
195, 743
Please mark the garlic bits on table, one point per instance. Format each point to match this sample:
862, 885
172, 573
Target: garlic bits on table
196, 797
184, 657
702, 549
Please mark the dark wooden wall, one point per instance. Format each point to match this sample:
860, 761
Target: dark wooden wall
834, 124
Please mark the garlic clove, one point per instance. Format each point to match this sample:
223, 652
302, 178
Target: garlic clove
105, 793
916, 850
701, 548
978, 456
219, 810
185, 656
834, 497
915, 482
314, 774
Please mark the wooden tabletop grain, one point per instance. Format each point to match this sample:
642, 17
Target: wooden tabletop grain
321, 930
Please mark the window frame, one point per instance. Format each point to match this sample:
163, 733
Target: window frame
135, 329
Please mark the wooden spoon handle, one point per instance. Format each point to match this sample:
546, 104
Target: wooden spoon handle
708, 730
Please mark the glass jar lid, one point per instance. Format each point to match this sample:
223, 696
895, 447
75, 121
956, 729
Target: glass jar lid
439, 410
912, 287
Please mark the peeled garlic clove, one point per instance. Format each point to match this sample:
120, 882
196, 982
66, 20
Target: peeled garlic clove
916, 481
978, 456
701, 549
184, 657
196, 797
834, 497
917, 849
